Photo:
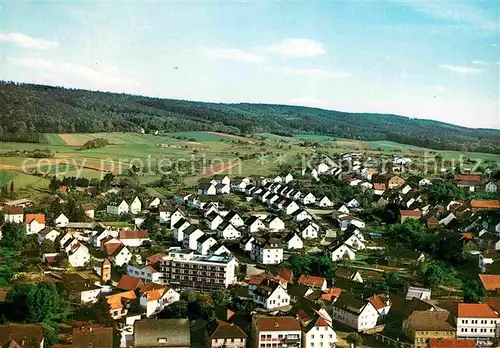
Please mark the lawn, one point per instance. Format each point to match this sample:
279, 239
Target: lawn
6, 177
199, 136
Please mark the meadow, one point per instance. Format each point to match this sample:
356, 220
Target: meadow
260, 155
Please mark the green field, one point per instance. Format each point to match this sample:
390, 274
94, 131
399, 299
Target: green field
6, 177
199, 136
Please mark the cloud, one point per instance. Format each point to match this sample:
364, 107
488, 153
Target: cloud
77, 75
459, 12
494, 45
480, 62
306, 101
460, 69
294, 47
314, 72
236, 55
25, 41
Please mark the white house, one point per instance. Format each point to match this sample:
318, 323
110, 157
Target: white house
246, 243
254, 224
290, 207
301, 215
424, 182
213, 220
308, 231
293, 241
61, 220
308, 199
191, 236
207, 188
340, 251
147, 273
479, 322
318, 332
115, 208
204, 243
355, 313
276, 329
418, 293
121, 256
353, 203
134, 238
274, 223
179, 228
47, 233
221, 179
227, 230
154, 203
288, 178
136, 206
154, 298
175, 217
233, 218
267, 251
341, 208
352, 240
14, 214
78, 255
34, 223
324, 202
271, 296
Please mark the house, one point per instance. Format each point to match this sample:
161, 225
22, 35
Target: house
149, 333
418, 293
324, 202
234, 218
447, 219
120, 255
341, 251
274, 223
347, 273
14, 214
135, 206
355, 312
301, 215
471, 185
290, 207
115, 208
382, 303
483, 204
341, 208
179, 228
353, 203
318, 283
378, 189
221, 179
155, 297
213, 220
133, 238
218, 249
280, 330
177, 215
308, 230
346, 220
34, 223
421, 326
148, 274
227, 230
48, 233
410, 215
451, 343
490, 282
154, 203
254, 224
89, 210
21, 335
119, 303
308, 199
246, 243
267, 251
224, 334
395, 181
490, 187
350, 238
207, 188
293, 241
204, 243
61, 220
78, 255
477, 321
191, 236
318, 332
424, 182
271, 296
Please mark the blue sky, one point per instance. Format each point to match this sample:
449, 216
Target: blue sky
436, 60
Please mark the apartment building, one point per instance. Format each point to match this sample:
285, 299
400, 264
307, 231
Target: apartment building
186, 269
479, 322
276, 332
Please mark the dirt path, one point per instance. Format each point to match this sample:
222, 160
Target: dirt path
232, 136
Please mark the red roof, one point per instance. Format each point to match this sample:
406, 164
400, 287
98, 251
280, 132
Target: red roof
468, 177
278, 324
311, 280
136, 234
129, 283
40, 218
379, 301
485, 203
111, 247
476, 310
286, 274
155, 258
491, 282
410, 213
379, 186
451, 343
331, 293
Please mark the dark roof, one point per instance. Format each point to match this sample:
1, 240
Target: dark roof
430, 321
93, 337
190, 229
205, 185
227, 330
297, 290
148, 332
277, 324
349, 303
251, 220
20, 333
180, 223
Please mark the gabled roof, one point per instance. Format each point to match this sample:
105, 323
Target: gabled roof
226, 330
410, 213
116, 301
491, 282
476, 310
485, 203
468, 177
136, 234
40, 218
311, 280
47, 230
13, 210
128, 283
379, 301
431, 321
20, 332
277, 324
96, 337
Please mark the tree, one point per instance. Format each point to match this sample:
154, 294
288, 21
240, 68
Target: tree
220, 298
11, 187
473, 291
14, 236
435, 273
188, 296
355, 339
47, 246
177, 310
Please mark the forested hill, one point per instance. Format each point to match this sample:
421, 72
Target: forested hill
26, 110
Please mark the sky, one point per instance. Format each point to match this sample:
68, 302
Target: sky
425, 59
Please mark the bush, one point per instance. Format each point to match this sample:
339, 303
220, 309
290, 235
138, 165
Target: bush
355, 339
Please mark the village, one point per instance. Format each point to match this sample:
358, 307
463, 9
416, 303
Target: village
323, 256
